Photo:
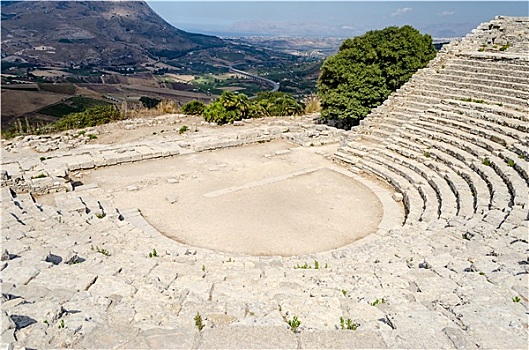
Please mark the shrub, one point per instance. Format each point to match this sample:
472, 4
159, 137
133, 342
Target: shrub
182, 129
90, 117
229, 107
278, 104
193, 108
149, 102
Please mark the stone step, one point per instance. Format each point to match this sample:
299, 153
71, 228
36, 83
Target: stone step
439, 152
460, 124
503, 111
508, 126
519, 89
412, 199
447, 200
494, 75
464, 195
466, 153
489, 87
498, 66
476, 92
432, 205
517, 177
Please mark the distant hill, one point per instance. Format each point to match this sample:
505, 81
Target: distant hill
113, 33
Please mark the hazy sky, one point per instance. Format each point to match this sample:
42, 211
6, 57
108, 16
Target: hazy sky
331, 18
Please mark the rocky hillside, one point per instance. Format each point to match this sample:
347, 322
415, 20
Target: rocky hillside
62, 33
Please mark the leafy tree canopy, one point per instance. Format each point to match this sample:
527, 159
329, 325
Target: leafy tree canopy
368, 68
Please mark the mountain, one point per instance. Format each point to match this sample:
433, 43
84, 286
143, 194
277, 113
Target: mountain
102, 33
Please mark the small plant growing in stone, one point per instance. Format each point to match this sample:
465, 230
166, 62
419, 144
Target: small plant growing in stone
92, 136
377, 301
348, 324
307, 266
511, 163
39, 176
101, 215
427, 154
153, 254
182, 129
198, 322
505, 47
344, 292
100, 250
294, 324
61, 324
203, 268
516, 299
304, 266
486, 162
81, 132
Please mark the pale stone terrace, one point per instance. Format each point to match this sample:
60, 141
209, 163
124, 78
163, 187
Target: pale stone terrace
452, 273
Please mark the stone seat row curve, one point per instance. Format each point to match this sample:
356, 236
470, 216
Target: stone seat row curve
77, 272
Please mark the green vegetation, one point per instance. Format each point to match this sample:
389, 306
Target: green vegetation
90, 117
61, 324
516, 299
307, 266
149, 102
277, 104
153, 254
294, 324
377, 301
198, 322
486, 162
368, 68
182, 129
505, 47
100, 250
230, 107
71, 105
348, 324
511, 163
193, 108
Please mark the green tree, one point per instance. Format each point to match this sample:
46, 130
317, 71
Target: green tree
368, 68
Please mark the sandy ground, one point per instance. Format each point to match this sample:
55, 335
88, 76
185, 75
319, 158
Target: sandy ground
237, 200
